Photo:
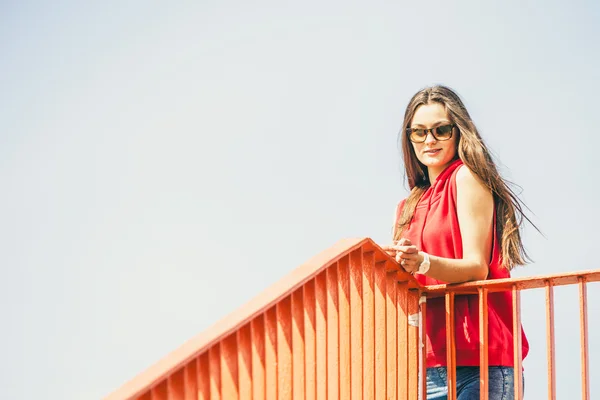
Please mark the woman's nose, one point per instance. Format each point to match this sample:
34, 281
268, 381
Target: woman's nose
430, 138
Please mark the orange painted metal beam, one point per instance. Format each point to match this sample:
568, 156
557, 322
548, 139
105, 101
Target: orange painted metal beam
585, 368
175, 387
159, 392
204, 384
190, 381
259, 380
244, 345
284, 349
333, 347
413, 344
517, 346
310, 341
270, 354
550, 341
229, 368
380, 330
501, 285
402, 320
423, 346
483, 344
298, 349
450, 346
344, 327
391, 335
214, 365
356, 324
321, 335
368, 326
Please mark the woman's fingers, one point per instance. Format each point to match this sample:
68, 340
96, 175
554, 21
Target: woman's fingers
408, 261
404, 249
396, 245
404, 242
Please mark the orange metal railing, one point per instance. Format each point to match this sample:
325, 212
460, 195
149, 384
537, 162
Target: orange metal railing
516, 285
347, 324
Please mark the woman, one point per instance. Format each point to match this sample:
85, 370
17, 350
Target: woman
460, 223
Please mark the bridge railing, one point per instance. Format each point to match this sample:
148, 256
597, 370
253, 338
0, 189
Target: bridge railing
348, 324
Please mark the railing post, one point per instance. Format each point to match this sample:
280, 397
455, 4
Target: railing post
402, 320
413, 344
517, 349
483, 343
585, 374
450, 346
423, 346
550, 340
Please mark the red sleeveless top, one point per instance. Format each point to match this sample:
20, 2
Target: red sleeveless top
435, 230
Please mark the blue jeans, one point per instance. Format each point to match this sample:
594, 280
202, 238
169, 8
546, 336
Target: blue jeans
501, 383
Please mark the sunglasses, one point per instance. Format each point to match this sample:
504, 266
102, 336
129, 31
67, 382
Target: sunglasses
440, 133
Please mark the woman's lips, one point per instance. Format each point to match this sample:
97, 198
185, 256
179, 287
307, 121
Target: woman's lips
432, 152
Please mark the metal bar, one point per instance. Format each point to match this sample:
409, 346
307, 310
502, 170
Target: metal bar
550, 341
214, 361
380, 331
333, 355
585, 372
321, 335
284, 349
368, 327
501, 285
244, 345
413, 344
229, 368
310, 338
356, 324
402, 305
423, 347
517, 348
159, 392
344, 332
190, 383
175, 387
204, 381
450, 346
257, 329
483, 344
298, 352
270, 353
391, 338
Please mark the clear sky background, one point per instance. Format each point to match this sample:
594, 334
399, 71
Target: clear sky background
161, 164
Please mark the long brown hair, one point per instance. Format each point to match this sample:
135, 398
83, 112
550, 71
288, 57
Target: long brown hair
475, 155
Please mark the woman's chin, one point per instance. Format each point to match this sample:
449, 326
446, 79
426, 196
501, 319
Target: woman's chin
433, 163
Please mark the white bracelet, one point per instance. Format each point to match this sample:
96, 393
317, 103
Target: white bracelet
425, 264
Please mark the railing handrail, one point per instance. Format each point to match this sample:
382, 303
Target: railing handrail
521, 283
249, 310
309, 270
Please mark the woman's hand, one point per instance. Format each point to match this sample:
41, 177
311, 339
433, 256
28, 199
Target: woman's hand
393, 249
406, 254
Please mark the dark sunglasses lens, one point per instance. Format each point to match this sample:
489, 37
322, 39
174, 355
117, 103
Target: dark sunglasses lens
417, 135
444, 132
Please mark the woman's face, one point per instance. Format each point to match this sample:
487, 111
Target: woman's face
435, 154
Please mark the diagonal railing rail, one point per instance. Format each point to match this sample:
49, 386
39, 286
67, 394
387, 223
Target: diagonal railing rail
347, 324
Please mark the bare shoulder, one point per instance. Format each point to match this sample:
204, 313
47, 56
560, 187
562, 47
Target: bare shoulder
465, 178
470, 188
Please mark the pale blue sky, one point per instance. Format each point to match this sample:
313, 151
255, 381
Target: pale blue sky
161, 164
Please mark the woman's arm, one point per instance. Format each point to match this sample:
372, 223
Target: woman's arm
475, 209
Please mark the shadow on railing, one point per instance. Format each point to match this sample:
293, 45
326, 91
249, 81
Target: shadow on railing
347, 324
